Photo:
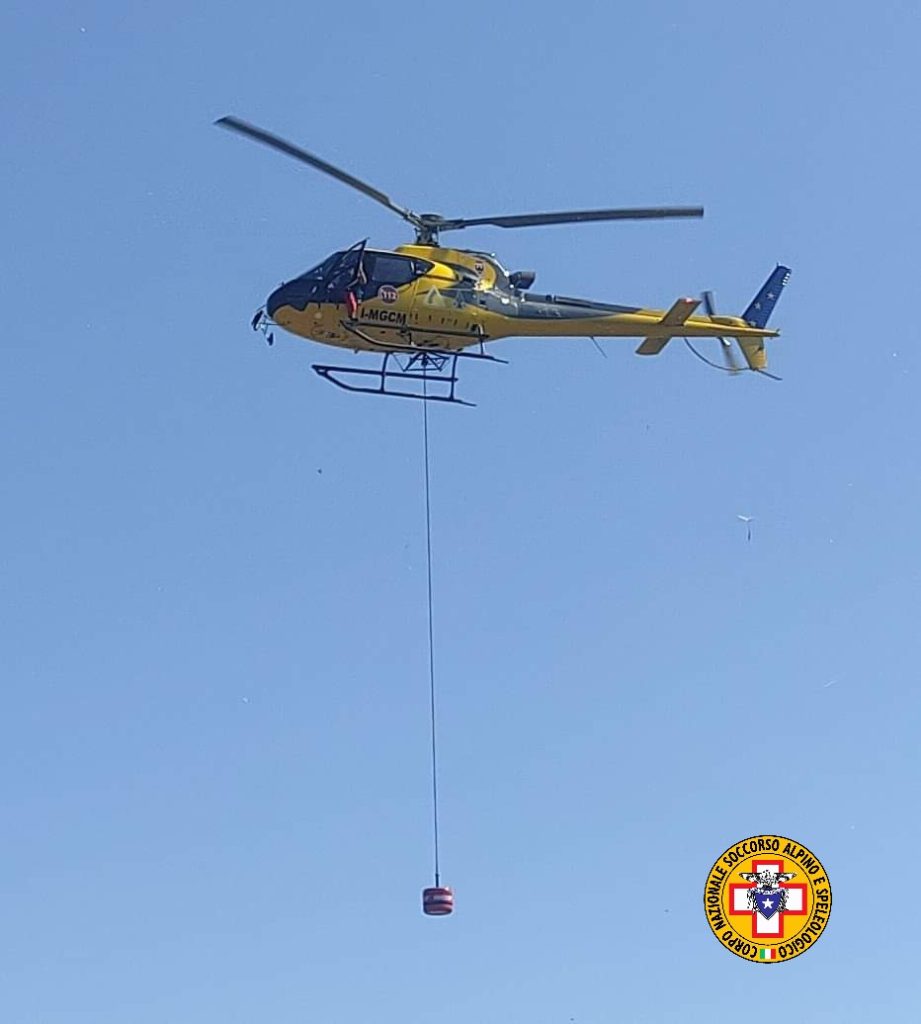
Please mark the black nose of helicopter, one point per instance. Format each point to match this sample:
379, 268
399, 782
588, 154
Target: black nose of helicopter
295, 293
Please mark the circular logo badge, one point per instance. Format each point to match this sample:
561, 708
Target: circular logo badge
387, 293
767, 899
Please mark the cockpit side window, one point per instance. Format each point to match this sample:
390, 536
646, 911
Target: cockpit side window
389, 268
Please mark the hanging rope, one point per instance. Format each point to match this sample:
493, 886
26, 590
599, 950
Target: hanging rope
727, 369
709, 362
428, 551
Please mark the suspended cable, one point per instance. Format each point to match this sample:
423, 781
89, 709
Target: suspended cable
438, 900
428, 552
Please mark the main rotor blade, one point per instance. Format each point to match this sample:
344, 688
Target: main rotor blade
235, 124
525, 220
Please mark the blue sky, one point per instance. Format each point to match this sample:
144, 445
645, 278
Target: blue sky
213, 752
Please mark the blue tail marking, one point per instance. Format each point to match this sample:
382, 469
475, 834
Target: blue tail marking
762, 305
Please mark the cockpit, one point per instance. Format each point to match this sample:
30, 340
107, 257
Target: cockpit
356, 272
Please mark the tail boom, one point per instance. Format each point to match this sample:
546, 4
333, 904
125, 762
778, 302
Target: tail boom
749, 330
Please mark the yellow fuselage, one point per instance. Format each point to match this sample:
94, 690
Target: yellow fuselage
464, 299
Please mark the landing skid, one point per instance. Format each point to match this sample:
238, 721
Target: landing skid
428, 376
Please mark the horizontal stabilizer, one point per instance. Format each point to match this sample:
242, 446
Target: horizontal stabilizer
653, 346
675, 317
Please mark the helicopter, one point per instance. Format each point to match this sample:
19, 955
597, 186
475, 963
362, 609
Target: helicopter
422, 307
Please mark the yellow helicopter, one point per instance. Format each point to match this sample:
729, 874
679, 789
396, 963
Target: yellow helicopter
422, 307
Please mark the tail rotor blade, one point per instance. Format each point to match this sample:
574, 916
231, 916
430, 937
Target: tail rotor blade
729, 355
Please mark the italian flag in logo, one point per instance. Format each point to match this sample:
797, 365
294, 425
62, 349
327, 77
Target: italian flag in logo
767, 954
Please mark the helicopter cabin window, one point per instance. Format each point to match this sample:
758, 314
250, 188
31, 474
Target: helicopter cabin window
340, 272
388, 268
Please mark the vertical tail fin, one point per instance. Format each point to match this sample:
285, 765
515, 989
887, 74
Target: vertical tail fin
762, 305
757, 315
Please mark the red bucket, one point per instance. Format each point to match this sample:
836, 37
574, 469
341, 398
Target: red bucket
437, 901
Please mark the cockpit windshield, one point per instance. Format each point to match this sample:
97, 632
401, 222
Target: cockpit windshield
322, 270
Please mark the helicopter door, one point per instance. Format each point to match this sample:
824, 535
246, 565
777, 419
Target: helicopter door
387, 291
343, 277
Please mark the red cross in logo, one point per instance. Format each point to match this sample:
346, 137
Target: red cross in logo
767, 927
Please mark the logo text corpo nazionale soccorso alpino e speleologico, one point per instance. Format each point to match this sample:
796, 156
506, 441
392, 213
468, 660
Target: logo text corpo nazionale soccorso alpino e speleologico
767, 899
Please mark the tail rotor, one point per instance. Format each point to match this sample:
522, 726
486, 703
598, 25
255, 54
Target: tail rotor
729, 354
748, 331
